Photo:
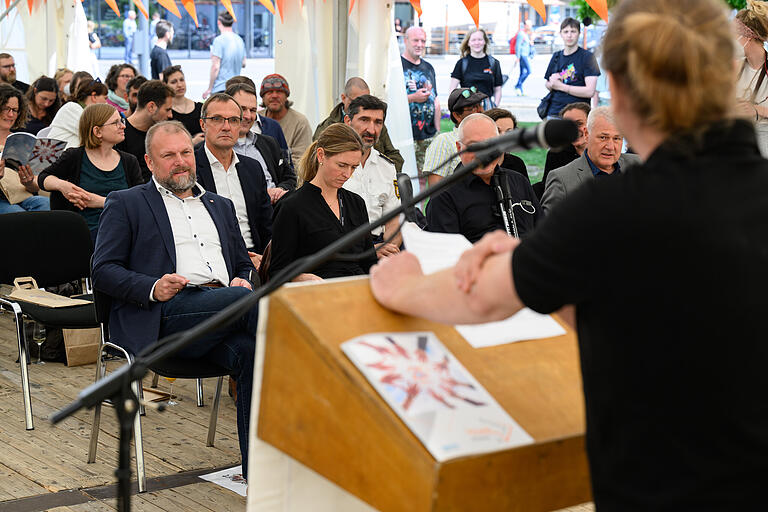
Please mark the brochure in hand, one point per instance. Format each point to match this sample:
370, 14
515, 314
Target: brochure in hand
26, 149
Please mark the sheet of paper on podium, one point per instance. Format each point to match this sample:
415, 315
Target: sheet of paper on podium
435, 396
437, 251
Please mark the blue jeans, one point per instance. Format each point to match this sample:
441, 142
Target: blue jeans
232, 347
30, 204
525, 70
128, 56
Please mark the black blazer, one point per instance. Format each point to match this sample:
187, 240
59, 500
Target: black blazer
68, 167
277, 164
257, 203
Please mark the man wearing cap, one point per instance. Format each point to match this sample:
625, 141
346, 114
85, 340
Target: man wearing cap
461, 103
354, 88
227, 55
274, 98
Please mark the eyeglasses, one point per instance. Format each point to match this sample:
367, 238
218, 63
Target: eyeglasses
9, 110
116, 123
219, 121
468, 92
604, 138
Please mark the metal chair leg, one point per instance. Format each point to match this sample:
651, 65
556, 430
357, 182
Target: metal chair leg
138, 441
200, 398
23, 362
214, 412
154, 380
100, 372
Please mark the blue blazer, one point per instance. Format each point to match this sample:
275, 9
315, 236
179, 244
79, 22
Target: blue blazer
257, 203
135, 248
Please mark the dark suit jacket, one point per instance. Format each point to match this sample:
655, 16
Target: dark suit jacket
135, 248
68, 168
257, 202
278, 166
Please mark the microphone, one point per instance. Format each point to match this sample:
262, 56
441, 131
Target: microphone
554, 133
405, 190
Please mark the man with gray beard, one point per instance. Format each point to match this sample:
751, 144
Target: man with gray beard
170, 255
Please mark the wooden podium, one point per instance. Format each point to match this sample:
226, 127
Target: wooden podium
317, 408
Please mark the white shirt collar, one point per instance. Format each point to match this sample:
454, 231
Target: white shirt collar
197, 191
213, 161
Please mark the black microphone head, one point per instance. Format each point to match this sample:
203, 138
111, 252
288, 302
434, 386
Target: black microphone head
558, 133
404, 186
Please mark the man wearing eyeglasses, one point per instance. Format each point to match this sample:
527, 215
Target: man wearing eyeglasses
600, 160
154, 102
462, 102
238, 178
8, 72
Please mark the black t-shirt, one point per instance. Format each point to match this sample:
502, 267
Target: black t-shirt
305, 224
667, 265
422, 114
573, 68
159, 60
470, 207
479, 74
191, 121
134, 144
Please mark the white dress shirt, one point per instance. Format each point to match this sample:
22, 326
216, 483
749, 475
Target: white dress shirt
228, 185
246, 146
375, 183
198, 248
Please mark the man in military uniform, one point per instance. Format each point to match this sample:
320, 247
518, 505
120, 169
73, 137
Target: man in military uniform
374, 179
355, 87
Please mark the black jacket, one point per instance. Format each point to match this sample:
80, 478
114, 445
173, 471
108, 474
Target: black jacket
257, 202
68, 167
279, 167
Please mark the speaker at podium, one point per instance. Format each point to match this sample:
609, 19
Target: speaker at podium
323, 439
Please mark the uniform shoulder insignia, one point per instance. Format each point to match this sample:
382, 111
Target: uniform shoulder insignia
386, 158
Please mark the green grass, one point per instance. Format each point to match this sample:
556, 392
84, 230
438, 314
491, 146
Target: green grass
534, 158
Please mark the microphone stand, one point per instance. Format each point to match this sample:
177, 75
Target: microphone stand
118, 385
506, 213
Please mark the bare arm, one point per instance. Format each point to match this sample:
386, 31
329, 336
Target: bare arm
453, 84
399, 284
497, 95
581, 91
215, 66
432, 179
438, 115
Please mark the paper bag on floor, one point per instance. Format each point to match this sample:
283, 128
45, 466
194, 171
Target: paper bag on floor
81, 345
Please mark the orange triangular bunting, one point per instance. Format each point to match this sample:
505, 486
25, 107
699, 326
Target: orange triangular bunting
279, 4
351, 6
171, 6
473, 6
113, 5
600, 7
417, 6
189, 6
140, 7
228, 6
270, 6
538, 5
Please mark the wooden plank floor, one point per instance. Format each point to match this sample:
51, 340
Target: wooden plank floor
52, 458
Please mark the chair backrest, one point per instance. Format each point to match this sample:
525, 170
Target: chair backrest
53, 247
103, 304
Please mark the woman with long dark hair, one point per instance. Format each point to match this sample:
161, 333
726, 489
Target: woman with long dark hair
43, 100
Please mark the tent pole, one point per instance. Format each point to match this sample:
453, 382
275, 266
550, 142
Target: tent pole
340, 20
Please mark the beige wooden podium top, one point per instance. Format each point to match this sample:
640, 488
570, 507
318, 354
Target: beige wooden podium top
317, 407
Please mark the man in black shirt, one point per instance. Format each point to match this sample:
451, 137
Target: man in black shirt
132, 87
8, 72
470, 206
158, 57
154, 105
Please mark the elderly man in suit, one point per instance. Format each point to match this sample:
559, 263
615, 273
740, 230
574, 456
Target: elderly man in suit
236, 177
170, 254
600, 160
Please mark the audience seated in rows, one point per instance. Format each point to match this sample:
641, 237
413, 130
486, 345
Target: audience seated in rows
274, 93
133, 87
506, 122
66, 125
43, 102
183, 109
576, 112
117, 82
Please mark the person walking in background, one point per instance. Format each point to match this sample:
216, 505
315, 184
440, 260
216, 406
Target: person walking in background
129, 31
421, 88
524, 51
476, 68
227, 55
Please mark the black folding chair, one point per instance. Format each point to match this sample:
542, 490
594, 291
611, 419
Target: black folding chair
54, 248
172, 367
